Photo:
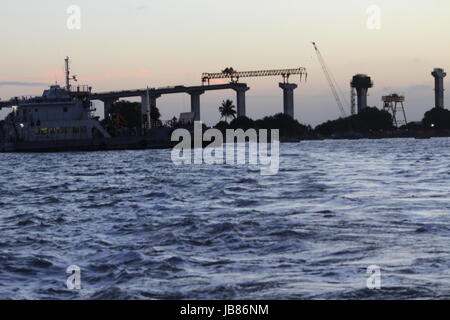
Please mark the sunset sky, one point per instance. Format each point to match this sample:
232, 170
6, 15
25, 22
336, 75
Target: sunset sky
135, 43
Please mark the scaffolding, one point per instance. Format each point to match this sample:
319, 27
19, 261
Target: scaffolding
393, 104
353, 101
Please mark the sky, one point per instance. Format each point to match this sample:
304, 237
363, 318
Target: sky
131, 44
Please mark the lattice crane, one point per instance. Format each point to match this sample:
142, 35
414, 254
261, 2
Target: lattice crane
234, 76
332, 82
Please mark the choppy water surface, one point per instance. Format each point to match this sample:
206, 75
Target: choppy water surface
141, 228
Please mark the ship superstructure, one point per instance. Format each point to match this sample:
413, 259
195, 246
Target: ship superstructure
54, 116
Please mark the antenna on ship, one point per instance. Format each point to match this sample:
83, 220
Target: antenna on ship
68, 77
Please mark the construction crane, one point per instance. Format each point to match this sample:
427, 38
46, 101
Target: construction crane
332, 82
353, 101
234, 76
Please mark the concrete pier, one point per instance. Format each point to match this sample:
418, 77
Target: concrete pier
108, 106
145, 112
147, 103
362, 98
288, 98
439, 76
194, 91
240, 89
195, 103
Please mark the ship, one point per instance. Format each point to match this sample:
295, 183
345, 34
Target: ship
63, 119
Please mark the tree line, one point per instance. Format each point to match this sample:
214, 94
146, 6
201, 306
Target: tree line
370, 120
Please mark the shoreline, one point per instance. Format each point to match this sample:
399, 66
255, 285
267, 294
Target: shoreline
143, 143
379, 136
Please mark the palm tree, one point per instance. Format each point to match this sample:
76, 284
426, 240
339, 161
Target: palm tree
227, 110
228, 71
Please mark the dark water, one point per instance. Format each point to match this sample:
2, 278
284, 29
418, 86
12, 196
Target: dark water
141, 228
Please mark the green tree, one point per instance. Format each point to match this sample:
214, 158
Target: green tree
369, 120
437, 118
228, 71
376, 120
222, 126
243, 122
130, 111
227, 110
155, 114
288, 126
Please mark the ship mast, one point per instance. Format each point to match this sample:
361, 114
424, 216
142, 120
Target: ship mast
67, 72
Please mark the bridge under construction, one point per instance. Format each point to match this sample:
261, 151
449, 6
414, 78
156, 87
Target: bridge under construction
150, 96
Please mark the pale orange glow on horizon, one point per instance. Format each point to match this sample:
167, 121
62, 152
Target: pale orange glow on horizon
126, 45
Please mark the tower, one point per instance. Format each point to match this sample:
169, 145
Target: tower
391, 105
439, 76
361, 83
